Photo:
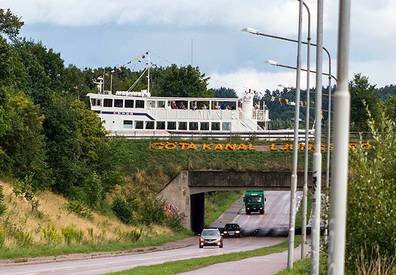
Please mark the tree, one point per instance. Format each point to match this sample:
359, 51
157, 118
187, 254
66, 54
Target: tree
224, 93
180, 81
371, 219
22, 143
10, 24
362, 93
390, 107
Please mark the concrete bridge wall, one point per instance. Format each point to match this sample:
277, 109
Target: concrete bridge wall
185, 193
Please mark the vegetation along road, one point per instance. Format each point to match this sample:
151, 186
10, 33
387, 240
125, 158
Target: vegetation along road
275, 217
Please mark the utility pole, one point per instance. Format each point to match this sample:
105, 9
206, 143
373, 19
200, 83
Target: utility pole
292, 220
306, 149
339, 165
148, 71
317, 156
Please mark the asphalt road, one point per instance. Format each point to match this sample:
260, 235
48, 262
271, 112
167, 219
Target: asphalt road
276, 217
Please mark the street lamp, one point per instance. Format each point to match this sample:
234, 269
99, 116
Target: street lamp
256, 32
339, 168
317, 153
275, 63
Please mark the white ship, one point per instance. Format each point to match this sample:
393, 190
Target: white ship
138, 114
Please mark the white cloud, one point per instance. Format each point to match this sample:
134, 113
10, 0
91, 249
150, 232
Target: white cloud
250, 78
267, 15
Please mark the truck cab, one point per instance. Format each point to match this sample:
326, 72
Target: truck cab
254, 201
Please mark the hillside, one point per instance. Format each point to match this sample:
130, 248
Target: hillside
52, 223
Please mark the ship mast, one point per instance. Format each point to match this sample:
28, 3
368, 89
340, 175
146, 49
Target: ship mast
148, 71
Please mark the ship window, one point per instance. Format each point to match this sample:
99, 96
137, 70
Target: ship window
182, 125
171, 125
128, 124
193, 126
93, 101
138, 124
160, 125
149, 124
118, 103
128, 103
139, 104
204, 126
98, 102
215, 126
151, 103
107, 102
161, 104
226, 126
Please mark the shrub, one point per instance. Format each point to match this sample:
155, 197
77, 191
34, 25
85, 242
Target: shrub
79, 208
72, 235
123, 209
2, 237
51, 235
371, 219
2, 205
22, 238
133, 235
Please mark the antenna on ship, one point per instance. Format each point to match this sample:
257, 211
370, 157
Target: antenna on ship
148, 71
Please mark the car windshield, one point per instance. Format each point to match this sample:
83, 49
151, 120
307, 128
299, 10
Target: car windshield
210, 232
254, 199
231, 226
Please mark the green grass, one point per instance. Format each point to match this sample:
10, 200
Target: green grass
192, 264
304, 267
299, 267
158, 167
218, 202
48, 250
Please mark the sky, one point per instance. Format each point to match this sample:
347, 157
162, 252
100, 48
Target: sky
206, 33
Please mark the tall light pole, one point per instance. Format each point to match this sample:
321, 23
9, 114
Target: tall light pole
275, 63
254, 31
317, 155
306, 162
293, 188
339, 168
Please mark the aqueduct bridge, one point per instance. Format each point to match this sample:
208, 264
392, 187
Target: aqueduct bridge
185, 193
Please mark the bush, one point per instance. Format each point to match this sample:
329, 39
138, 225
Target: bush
79, 208
123, 209
2, 237
371, 219
23, 238
51, 235
2, 205
72, 235
133, 235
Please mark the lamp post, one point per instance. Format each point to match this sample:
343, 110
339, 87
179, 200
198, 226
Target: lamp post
317, 155
293, 188
339, 168
256, 32
277, 64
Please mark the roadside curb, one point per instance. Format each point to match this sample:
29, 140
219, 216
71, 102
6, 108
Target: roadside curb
85, 256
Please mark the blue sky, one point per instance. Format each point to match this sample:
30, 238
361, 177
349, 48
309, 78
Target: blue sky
103, 32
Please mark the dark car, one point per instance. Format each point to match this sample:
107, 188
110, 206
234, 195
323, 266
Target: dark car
232, 230
210, 237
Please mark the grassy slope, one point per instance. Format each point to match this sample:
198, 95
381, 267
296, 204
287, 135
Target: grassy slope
107, 233
157, 167
192, 264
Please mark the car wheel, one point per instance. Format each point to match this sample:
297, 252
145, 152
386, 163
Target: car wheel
200, 246
221, 245
261, 212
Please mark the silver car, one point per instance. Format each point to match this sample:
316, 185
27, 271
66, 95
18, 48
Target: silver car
211, 237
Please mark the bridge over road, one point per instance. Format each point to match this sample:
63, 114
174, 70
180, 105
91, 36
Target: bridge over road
186, 192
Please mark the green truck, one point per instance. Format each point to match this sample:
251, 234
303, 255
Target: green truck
254, 201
